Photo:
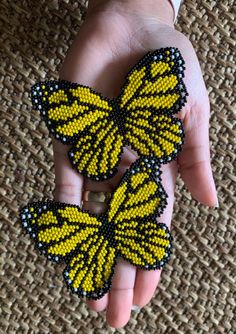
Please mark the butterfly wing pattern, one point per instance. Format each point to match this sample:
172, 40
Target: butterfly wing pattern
136, 203
153, 92
90, 245
63, 232
98, 127
78, 116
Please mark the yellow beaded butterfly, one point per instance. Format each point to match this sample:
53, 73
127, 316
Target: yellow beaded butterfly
141, 116
90, 244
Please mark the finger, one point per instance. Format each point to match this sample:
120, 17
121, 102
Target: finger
145, 286
121, 294
98, 305
194, 161
98, 207
147, 281
68, 183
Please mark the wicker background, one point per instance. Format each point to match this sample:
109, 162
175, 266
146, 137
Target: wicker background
197, 291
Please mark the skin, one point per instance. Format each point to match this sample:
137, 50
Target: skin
114, 36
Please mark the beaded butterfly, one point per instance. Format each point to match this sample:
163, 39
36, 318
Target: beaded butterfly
141, 116
90, 244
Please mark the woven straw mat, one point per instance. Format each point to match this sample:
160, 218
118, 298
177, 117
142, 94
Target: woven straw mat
197, 289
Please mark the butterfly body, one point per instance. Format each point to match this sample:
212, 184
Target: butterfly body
141, 116
118, 116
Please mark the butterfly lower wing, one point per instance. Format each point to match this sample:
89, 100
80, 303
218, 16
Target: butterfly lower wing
90, 273
78, 116
139, 198
144, 243
153, 92
158, 135
98, 152
65, 232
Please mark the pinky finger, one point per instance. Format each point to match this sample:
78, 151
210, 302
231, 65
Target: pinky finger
98, 305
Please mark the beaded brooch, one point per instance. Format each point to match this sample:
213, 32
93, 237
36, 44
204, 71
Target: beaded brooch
141, 116
90, 244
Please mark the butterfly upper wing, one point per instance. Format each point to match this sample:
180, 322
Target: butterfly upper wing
133, 210
156, 82
65, 232
77, 115
153, 92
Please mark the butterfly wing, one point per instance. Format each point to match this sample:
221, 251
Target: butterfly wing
135, 204
153, 92
64, 232
78, 116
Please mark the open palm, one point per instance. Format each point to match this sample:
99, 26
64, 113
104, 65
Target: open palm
105, 49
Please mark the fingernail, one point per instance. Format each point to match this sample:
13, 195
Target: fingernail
135, 308
217, 203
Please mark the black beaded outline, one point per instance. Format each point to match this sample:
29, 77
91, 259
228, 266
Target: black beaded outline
40, 207
53, 86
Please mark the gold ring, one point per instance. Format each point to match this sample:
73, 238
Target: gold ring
96, 196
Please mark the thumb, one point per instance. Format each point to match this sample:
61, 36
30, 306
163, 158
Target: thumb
194, 160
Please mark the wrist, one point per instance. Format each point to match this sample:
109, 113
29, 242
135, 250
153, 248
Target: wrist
159, 9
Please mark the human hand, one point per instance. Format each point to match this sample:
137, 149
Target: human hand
114, 36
